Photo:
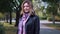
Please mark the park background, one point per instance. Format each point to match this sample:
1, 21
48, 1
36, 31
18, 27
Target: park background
10, 9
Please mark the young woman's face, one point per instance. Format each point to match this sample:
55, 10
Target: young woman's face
26, 7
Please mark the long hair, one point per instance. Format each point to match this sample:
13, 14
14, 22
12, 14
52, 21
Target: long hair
30, 5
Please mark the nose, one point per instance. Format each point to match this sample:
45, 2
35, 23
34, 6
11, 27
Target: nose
26, 8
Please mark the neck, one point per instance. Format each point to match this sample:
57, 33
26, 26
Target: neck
26, 12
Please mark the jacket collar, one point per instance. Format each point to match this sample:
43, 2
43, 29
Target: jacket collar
30, 16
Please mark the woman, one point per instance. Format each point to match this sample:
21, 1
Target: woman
29, 21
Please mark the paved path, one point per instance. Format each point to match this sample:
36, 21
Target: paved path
47, 30
46, 21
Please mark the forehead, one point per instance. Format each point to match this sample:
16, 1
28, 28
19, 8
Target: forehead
25, 4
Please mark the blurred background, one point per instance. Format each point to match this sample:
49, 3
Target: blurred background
47, 10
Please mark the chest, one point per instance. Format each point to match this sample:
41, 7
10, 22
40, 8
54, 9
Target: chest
30, 21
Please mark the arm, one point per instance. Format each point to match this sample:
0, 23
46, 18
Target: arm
37, 25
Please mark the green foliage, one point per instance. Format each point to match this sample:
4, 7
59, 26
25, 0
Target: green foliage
42, 8
41, 15
57, 18
51, 1
58, 14
52, 7
6, 28
5, 5
49, 18
9, 28
51, 10
55, 26
2, 15
13, 15
43, 18
2, 29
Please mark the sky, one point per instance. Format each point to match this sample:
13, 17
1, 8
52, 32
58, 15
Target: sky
44, 4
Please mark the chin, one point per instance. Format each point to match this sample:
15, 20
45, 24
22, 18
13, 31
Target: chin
27, 11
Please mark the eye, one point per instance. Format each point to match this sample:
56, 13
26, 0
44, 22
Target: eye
25, 6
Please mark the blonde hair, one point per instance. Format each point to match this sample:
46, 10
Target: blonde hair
30, 5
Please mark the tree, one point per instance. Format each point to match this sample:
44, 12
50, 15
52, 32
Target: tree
53, 11
6, 6
52, 7
18, 9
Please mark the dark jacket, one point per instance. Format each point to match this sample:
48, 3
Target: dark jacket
32, 25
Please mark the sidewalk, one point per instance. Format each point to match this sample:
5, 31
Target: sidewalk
46, 21
8, 21
47, 30
45, 27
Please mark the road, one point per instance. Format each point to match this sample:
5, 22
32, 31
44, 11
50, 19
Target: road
47, 30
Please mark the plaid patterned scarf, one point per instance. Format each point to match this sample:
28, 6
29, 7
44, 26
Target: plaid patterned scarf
21, 26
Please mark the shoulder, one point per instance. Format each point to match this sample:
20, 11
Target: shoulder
35, 17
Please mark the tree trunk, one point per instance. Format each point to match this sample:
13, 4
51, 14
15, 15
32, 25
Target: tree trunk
7, 17
53, 18
10, 17
17, 17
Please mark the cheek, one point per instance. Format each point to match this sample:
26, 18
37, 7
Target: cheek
26, 8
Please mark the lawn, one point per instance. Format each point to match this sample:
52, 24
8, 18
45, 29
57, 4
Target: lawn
55, 26
6, 28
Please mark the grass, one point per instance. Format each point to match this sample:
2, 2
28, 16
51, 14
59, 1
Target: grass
55, 26
9, 28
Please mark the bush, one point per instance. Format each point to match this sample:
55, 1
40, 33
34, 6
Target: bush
1, 15
2, 29
56, 18
49, 18
43, 18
